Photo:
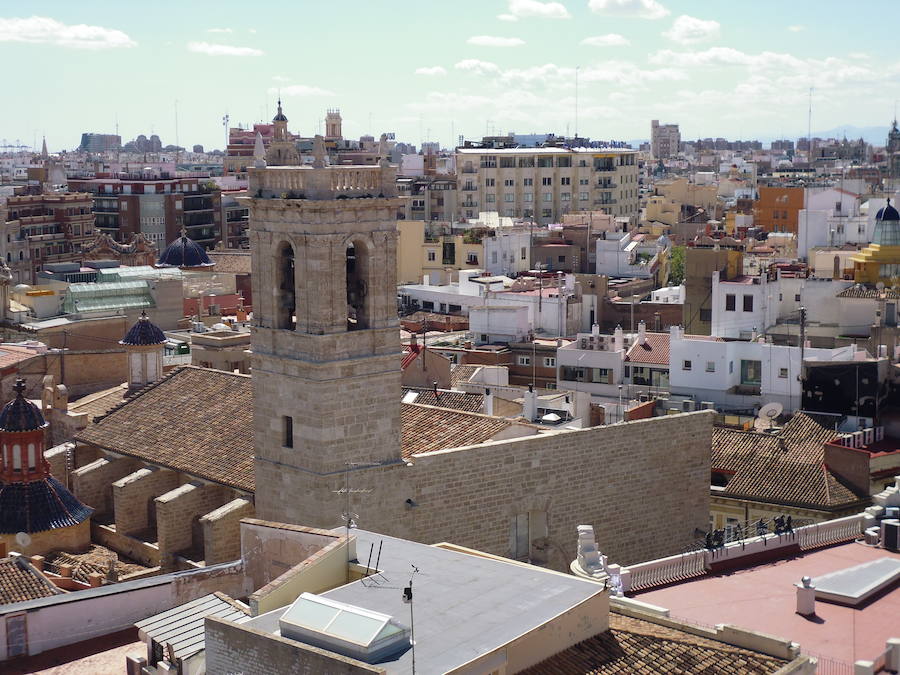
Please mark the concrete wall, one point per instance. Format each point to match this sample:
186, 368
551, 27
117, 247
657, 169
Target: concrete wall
232, 648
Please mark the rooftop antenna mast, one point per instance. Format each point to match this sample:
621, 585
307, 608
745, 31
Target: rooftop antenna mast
225, 119
577, 68
177, 147
408, 598
348, 516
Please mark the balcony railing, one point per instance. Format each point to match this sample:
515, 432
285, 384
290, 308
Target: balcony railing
606, 169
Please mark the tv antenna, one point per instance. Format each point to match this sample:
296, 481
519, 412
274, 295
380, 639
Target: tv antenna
349, 518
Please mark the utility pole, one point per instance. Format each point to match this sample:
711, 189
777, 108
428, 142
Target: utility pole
802, 349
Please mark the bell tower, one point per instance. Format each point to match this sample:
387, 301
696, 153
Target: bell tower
326, 364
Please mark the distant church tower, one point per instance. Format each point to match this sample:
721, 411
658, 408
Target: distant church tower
333, 124
326, 364
282, 149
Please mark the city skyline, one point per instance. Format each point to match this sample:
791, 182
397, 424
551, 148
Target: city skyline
471, 69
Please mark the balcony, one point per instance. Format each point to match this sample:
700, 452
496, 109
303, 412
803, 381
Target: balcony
607, 185
469, 188
604, 202
469, 169
605, 169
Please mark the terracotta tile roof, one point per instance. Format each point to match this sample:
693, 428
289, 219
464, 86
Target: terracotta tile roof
94, 560
785, 468
10, 355
455, 400
427, 428
872, 293
194, 420
634, 646
99, 403
213, 405
19, 582
654, 350
461, 373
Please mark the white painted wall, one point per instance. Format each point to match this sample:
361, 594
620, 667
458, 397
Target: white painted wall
499, 323
503, 252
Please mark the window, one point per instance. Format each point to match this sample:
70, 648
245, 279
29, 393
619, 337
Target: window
432, 255
751, 373
686, 365
509, 197
528, 182
748, 303
524, 360
561, 259
471, 258
705, 314
548, 196
490, 198
509, 182
565, 196
583, 181
730, 367
796, 297
286, 308
493, 257
565, 180
547, 180
549, 362
583, 196
288, 427
710, 366
783, 373
546, 213
729, 303
527, 196
488, 182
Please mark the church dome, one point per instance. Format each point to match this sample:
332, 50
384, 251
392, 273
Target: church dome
39, 505
20, 414
279, 116
887, 226
888, 213
143, 332
184, 252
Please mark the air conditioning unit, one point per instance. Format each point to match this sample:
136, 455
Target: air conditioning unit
869, 436
707, 405
890, 534
688, 405
583, 343
858, 439
643, 398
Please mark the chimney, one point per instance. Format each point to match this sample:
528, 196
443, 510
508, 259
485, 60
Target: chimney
529, 408
642, 333
38, 562
437, 396
806, 597
753, 335
618, 339
488, 402
595, 329
65, 571
96, 579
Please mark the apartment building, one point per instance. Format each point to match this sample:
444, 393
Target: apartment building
44, 228
665, 140
156, 204
428, 198
547, 183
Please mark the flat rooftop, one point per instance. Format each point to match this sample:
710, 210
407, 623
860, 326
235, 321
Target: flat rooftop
763, 598
465, 605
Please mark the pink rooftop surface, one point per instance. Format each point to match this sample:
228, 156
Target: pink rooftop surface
763, 598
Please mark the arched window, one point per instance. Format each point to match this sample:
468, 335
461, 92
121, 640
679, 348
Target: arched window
17, 457
357, 260
285, 299
32, 460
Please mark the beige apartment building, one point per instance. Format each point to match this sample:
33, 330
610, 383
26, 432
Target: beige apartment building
547, 183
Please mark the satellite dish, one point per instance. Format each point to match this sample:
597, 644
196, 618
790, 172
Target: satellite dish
770, 411
23, 539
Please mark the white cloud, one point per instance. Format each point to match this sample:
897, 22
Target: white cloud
641, 9
493, 41
44, 30
222, 50
507, 17
281, 78
431, 70
219, 30
608, 40
723, 56
688, 30
544, 10
478, 67
796, 28
300, 90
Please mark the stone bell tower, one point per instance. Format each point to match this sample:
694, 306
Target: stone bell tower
326, 365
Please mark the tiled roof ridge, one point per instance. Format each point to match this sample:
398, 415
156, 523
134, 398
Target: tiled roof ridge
458, 412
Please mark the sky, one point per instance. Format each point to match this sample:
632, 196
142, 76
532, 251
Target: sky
436, 70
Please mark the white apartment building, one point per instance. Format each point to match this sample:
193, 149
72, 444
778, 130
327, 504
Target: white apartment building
593, 363
507, 250
740, 375
547, 183
626, 254
665, 140
492, 324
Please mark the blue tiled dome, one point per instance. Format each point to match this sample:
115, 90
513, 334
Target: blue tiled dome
39, 505
20, 414
184, 252
143, 332
888, 213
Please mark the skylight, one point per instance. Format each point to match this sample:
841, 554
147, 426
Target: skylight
345, 629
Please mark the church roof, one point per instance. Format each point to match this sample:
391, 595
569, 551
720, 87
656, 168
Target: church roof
20, 414
184, 252
39, 505
279, 116
144, 332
